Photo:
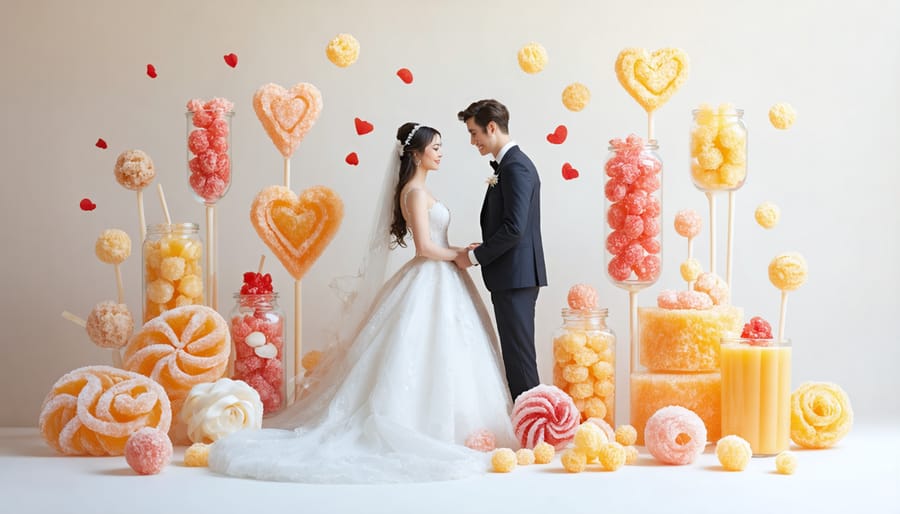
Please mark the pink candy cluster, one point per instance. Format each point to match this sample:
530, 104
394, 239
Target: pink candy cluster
209, 160
265, 375
634, 211
545, 413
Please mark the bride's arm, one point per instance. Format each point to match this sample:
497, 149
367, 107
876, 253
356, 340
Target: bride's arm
417, 207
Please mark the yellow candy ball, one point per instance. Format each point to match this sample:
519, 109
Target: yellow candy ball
573, 341
160, 291
576, 96
197, 455
604, 388
585, 357
786, 463
503, 460
733, 452
524, 457
191, 285
691, 269
573, 461
113, 246
602, 370
782, 116
594, 408
788, 271
612, 456
767, 215
631, 455
172, 268
626, 435
574, 373
343, 50
311, 359
532, 58
543, 453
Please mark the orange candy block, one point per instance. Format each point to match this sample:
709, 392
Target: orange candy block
287, 114
297, 230
93, 410
685, 339
699, 392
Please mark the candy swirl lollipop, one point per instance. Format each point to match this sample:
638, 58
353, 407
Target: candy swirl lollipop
113, 247
787, 272
134, 170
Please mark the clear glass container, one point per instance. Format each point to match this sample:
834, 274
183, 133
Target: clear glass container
257, 333
718, 148
584, 351
633, 193
172, 270
209, 154
756, 393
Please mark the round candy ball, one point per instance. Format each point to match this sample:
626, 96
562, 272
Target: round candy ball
532, 58
788, 271
113, 246
110, 324
148, 451
582, 297
343, 50
576, 96
134, 169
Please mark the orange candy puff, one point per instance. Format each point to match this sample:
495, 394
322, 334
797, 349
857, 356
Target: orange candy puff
297, 230
287, 114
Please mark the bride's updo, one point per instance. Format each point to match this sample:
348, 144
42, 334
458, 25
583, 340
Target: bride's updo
412, 139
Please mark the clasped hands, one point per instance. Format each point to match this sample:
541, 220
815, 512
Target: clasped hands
462, 256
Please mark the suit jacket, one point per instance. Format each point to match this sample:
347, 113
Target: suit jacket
511, 254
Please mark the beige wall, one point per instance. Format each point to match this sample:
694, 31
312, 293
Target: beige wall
74, 71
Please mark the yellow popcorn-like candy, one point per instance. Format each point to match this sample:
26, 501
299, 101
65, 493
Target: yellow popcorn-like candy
172, 268
560, 355
524, 457
710, 157
191, 285
820, 415
786, 463
599, 342
733, 452
612, 456
699, 392
543, 453
532, 58
602, 370
651, 79
576, 96
573, 461
788, 271
581, 390
685, 339
574, 373
589, 438
594, 407
767, 215
503, 460
631, 455
160, 291
113, 246
626, 435
782, 116
572, 342
690, 270
585, 357
343, 50
197, 455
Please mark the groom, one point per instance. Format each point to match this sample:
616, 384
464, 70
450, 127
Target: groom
511, 255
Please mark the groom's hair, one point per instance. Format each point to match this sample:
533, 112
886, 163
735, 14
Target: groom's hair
486, 111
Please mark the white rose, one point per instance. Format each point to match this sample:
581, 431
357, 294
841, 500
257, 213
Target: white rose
215, 409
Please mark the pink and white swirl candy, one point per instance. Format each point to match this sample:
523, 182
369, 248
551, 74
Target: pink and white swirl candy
545, 413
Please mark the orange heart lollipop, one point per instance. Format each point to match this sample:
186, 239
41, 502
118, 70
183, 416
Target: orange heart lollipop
652, 79
287, 114
297, 230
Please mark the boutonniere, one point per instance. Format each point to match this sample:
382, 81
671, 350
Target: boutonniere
492, 179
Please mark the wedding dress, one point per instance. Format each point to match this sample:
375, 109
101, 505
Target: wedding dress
396, 404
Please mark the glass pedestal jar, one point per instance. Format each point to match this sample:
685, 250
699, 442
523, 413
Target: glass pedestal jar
257, 333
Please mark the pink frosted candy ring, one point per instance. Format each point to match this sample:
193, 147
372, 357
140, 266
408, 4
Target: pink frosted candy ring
675, 435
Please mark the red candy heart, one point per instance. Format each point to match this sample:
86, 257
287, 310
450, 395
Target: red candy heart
231, 60
363, 127
151, 71
568, 172
352, 159
405, 75
86, 204
100, 143
558, 136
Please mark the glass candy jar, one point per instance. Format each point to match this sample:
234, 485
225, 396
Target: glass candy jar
172, 273
633, 193
209, 153
257, 333
718, 148
584, 352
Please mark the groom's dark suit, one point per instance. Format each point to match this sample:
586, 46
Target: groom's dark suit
512, 262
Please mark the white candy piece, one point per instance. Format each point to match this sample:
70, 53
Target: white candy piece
255, 339
266, 351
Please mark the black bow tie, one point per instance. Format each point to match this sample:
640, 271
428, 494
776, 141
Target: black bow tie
494, 165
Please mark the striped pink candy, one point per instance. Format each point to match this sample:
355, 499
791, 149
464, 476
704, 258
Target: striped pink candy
545, 413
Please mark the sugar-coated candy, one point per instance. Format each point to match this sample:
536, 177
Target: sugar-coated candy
543, 453
612, 456
626, 435
482, 441
589, 438
342, 50
503, 460
699, 392
667, 299
820, 415
148, 451
191, 286
675, 435
694, 300
172, 273
194, 105
259, 350
632, 227
616, 215
197, 455
788, 271
297, 229
113, 246
93, 410
545, 413
767, 215
690, 270
573, 461
110, 324
617, 241
213, 410
733, 452
652, 78
688, 223
219, 106
757, 328
134, 169
287, 114
631, 455
160, 291
576, 96
605, 427
311, 359
582, 297
257, 283
648, 268
172, 268
715, 286
532, 57
524, 457
782, 115
615, 191
685, 339
198, 141
786, 462
718, 148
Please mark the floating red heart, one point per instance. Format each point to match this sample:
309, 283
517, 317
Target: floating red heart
363, 127
568, 172
100, 143
87, 205
352, 159
151, 71
231, 59
558, 136
405, 75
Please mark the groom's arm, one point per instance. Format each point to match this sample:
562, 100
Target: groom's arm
517, 185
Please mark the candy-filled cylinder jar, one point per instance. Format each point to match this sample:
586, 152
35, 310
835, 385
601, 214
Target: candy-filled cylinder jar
633, 194
209, 153
172, 270
718, 148
257, 333
584, 352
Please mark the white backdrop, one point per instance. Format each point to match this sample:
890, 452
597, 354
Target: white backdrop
74, 71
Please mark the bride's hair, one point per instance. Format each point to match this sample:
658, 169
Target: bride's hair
411, 137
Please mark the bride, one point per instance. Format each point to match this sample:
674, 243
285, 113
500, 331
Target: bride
396, 397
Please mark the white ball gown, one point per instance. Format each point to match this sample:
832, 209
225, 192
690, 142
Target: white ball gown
398, 401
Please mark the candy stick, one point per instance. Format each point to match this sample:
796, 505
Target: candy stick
731, 199
298, 333
287, 173
781, 317
632, 327
690, 256
212, 301
74, 319
262, 262
787, 272
119, 287
162, 200
712, 231
650, 126
141, 219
